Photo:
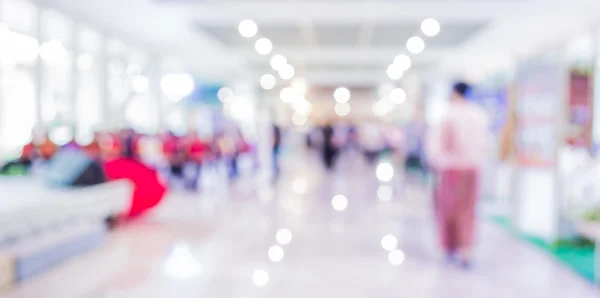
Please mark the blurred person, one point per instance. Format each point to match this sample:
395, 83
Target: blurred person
93, 149
330, 150
371, 141
456, 150
197, 153
174, 156
23, 163
276, 150
414, 153
46, 147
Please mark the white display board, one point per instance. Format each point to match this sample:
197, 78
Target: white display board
540, 96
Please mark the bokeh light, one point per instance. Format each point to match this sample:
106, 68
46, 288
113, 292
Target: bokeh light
283, 236
385, 193
415, 45
385, 172
396, 257
339, 203
263, 46
430, 27
342, 95
276, 253
389, 242
248, 28
260, 278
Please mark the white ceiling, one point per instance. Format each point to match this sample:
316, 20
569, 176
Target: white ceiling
334, 42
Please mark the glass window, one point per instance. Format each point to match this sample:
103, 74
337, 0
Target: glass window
56, 101
89, 104
20, 15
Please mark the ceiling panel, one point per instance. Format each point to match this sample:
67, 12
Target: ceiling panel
453, 35
227, 35
337, 35
284, 35
393, 34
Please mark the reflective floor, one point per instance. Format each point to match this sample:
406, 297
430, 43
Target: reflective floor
301, 239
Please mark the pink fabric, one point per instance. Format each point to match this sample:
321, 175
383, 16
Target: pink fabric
461, 141
456, 197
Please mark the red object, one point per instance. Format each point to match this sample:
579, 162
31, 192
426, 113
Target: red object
198, 150
148, 190
28, 151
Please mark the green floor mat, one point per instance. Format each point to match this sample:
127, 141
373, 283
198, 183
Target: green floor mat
579, 258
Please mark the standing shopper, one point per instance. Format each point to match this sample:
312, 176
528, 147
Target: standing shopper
457, 149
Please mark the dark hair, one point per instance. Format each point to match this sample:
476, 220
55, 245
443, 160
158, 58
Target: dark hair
461, 88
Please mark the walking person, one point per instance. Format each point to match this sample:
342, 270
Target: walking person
456, 151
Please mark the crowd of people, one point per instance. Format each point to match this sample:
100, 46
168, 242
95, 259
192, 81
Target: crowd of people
182, 156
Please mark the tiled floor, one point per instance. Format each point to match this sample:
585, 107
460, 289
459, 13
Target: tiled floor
217, 245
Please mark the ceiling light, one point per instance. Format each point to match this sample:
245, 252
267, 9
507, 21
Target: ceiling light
299, 119
177, 85
394, 72
260, 278
268, 81
385, 172
283, 236
339, 203
276, 253
278, 61
389, 242
403, 61
248, 28
287, 72
382, 107
299, 85
398, 96
342, 95
263, 46
385, 193
287, 95
415, 45
430, 27
225, 94
342, 109
140, 84
396, 257
302, 105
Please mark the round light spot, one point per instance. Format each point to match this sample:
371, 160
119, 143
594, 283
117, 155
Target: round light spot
398, 96
430, 27
394, 72
283, 236
385, 172
287, 72
248, 28
342, 109
268, 81
396, 257
403, 61
342, 95
276, 253
385, 193
260, 278
278, 61
339, 203
300, 186
299, 119
389, 242
415, 45
225, 94
263, 46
